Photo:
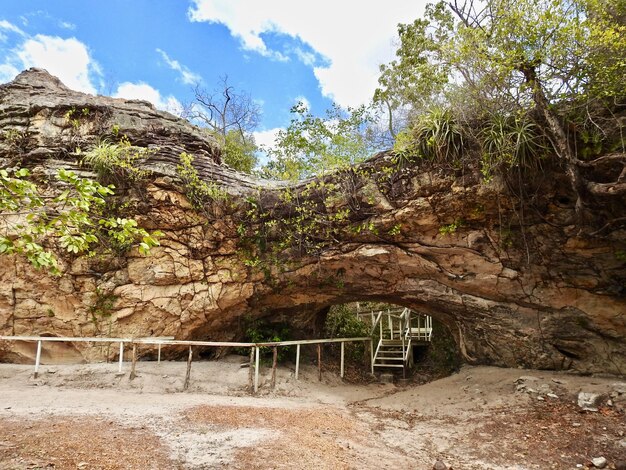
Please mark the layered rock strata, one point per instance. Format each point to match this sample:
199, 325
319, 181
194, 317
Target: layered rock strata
515, 287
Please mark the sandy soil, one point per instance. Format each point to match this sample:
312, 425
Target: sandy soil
89, 417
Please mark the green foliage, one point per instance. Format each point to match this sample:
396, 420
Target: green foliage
395, 230
72, 116
312, 145
420, 72
434, 135
405, 148
260, 331
118, 162
571, 44
101, 310
304, 220
240, 153
511, 141
487, 66
342, 322
364, 227
443, 353
451, 228
438, 136
199, 192
310, 217
17, 140
102, 306
72, 219
124, 233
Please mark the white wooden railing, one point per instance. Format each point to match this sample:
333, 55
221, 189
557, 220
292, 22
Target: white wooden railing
402, 324
170, 341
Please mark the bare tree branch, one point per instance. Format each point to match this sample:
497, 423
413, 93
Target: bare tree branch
224, 109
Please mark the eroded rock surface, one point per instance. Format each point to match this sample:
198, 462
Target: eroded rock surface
514, 289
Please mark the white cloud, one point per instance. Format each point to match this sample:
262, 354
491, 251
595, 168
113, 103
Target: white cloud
6, 26
307, 58
68, 59
354, 36
187, 76
67, 25
143, 91
7, 73
266, 138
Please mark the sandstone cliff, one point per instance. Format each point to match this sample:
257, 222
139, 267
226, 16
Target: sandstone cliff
515, 286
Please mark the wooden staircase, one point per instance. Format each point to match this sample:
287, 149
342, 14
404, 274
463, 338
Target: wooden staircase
398, 330
390, 353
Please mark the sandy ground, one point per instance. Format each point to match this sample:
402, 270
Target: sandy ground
89, 417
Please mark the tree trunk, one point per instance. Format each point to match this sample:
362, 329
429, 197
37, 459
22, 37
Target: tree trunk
560, 142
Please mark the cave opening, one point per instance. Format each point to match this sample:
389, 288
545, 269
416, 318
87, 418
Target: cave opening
430, 347
405, 342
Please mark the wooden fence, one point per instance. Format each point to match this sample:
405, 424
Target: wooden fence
253, 378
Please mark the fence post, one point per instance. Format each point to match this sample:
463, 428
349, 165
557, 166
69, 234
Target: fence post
319, 361
256, 370
251, 370
372, 355
274, 363
37, 359
119, 368
188, 374
342, 361
159, 354
134, 363
297, 360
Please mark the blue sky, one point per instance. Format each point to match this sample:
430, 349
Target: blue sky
279, 51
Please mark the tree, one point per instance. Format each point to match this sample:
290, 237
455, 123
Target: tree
551, 61
312, 145
231, 116
488, 48
419, 74
240, 152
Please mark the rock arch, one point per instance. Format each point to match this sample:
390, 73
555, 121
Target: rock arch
514, 290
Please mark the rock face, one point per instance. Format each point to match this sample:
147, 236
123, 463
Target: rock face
514, 289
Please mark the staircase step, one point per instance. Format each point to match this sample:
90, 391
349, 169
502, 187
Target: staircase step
386, 358
388, 365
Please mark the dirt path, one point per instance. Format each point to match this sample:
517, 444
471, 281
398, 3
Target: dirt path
88, 417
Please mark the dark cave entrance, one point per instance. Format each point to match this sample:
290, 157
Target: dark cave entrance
433, 347
430, 351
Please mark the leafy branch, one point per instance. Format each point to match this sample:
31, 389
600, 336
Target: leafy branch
72, 220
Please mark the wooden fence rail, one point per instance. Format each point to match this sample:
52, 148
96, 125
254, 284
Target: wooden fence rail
168, 341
